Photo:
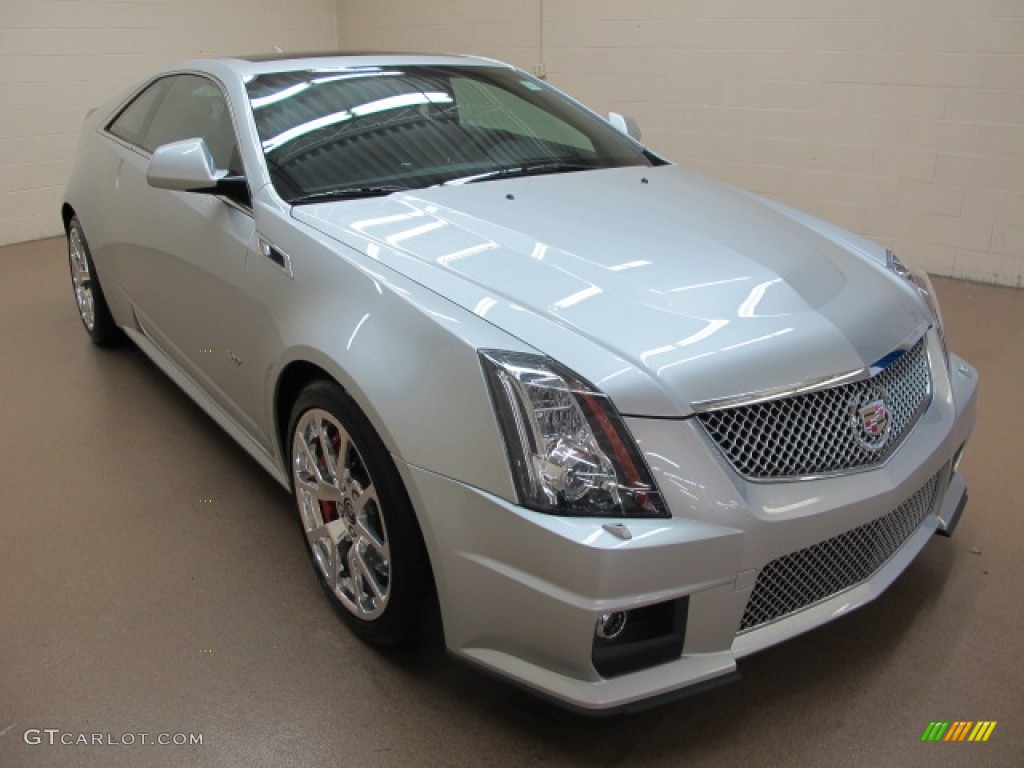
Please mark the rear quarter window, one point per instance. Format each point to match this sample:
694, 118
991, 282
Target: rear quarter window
131, 123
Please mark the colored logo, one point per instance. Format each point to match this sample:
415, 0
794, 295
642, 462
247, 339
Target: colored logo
959, 730
871, 420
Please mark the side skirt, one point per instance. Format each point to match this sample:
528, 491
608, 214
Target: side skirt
214, 411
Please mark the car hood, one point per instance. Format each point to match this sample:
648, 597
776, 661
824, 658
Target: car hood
661, 286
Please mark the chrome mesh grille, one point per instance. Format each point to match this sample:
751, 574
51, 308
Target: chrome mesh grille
817, 433
796, 581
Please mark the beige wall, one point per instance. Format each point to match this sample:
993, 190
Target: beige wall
900, 119
60, 59
508, 30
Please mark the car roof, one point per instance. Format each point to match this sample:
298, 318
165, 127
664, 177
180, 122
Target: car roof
282, 56
259, 64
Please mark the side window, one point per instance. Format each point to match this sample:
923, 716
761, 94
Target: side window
131, 123
195, 107
488, 107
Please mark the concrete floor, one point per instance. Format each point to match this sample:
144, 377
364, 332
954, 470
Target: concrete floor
130, 604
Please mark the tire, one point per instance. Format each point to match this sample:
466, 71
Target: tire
359, 526
92, 304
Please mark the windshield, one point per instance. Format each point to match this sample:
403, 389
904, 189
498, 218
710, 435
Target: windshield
361, 131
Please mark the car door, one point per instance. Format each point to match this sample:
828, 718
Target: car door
182, 255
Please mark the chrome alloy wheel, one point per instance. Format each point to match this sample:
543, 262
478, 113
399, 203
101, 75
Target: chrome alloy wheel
341, 514
81, 278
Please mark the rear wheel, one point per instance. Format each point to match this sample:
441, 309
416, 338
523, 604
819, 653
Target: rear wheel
92, 304
359, 525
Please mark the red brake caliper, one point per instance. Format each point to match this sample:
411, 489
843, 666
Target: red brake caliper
329, 509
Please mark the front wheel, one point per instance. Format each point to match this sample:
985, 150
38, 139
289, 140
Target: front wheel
359, 525
92, 304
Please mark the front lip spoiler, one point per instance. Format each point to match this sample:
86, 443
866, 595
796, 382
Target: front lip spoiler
642, 705
629, 708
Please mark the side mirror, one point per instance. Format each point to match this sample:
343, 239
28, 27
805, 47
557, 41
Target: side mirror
625, 124
186, 166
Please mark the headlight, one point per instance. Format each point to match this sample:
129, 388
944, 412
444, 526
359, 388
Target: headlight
569, 450
920, 280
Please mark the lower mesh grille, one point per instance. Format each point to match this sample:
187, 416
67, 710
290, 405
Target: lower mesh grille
801, 579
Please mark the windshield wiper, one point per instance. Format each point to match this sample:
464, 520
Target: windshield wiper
532, 169
347, 193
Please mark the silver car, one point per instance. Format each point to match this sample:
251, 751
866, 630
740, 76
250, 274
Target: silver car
627, 423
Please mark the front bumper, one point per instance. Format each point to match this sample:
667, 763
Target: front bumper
521, 592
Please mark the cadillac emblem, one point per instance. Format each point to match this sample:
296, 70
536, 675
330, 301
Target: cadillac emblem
871, 419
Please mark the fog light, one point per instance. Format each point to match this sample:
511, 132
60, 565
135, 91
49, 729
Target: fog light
610, 625
625, 641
